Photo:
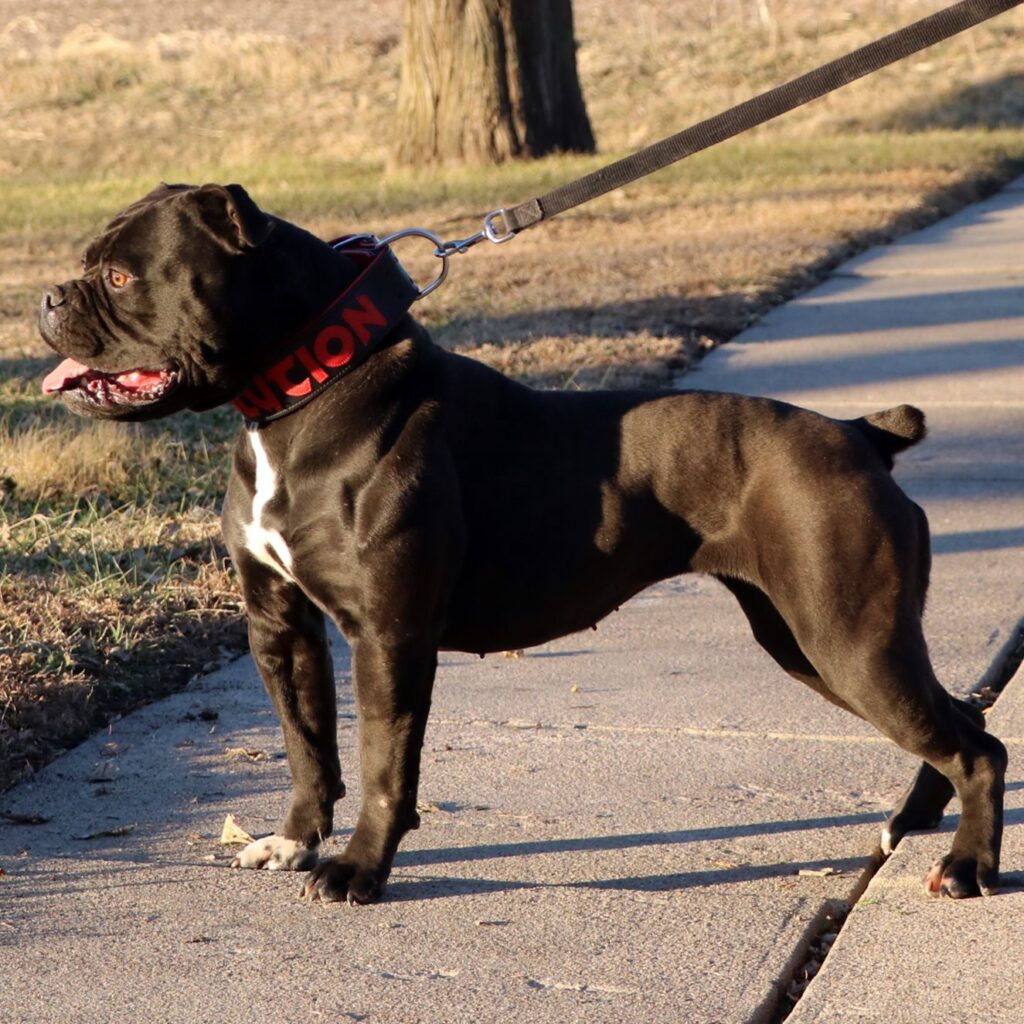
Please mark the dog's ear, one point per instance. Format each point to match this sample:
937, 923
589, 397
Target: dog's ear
232, 217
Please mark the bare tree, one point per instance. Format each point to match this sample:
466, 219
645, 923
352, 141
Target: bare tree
485, 80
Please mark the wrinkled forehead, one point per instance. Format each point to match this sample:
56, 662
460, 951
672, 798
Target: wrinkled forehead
130, 221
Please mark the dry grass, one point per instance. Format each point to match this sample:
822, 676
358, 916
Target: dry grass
112, 581
65, 458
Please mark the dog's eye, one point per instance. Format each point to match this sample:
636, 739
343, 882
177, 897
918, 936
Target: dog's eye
117, 278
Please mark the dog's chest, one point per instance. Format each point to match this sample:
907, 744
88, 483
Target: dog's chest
263, 541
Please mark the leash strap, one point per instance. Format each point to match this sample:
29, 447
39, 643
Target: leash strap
752, 112
341, 338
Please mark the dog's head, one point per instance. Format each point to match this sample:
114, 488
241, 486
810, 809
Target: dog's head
182, 295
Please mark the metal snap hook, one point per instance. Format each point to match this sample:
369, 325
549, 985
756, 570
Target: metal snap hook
445, 250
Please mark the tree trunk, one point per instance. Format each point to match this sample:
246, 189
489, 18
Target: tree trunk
485, 80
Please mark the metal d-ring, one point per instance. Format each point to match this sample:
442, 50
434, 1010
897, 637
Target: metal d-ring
439, 251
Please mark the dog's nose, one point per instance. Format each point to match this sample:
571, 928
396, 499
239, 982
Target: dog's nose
54, 297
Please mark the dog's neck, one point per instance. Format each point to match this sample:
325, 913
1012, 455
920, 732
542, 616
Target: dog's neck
360, 321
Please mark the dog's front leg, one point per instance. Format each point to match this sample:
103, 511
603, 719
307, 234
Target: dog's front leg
289, 645
393, 679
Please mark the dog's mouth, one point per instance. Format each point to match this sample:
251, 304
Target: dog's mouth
107, 390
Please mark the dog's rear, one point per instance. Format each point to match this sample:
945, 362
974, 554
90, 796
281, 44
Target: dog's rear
894, 430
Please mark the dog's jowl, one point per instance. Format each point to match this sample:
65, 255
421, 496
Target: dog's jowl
426, 502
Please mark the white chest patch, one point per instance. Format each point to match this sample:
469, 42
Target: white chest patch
264, 544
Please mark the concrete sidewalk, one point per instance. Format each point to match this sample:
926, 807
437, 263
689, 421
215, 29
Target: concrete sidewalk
640, 824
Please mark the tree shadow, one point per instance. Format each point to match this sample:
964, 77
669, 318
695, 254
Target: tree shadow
814, 369
978, 540
411, 888
997, 103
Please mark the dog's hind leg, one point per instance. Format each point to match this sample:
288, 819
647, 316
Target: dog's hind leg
289, 644
905, 702
772, 633
924, 803
894, 688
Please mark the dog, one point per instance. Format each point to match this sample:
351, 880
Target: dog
426, 502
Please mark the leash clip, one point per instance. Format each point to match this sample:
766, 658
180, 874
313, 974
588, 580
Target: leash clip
493, 235
489, 232
445, 250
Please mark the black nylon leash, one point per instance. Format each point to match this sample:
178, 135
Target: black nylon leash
825, 79
502, 225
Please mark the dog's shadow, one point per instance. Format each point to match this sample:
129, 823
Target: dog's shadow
406, 886
446, 886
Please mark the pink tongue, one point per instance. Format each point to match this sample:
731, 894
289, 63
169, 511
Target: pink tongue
68, 371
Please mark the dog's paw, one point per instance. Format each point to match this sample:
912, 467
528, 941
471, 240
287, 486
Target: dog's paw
961, 877
337, 880
275, 853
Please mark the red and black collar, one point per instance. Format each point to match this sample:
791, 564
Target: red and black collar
341, 338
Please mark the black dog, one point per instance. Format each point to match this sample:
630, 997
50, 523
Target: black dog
426, 502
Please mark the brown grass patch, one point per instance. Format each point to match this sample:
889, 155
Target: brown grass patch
68, 458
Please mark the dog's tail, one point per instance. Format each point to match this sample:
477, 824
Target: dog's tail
893, 430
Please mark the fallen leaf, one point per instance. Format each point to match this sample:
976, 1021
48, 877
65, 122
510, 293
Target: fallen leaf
245, 754
232, 834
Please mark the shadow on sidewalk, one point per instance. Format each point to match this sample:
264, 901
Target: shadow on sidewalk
822, 370
426, 888
416, 890
978, 540
627, 841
